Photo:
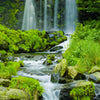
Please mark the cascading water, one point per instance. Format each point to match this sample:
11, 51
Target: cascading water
71, 16
55, 14
40, 20
29, 20
34, 68
45, 15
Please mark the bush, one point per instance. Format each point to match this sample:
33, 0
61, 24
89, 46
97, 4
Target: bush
9, 69
84, 48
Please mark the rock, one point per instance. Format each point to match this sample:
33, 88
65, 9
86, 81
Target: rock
12, 94
55, 77
74, 74
16, 94
94, 69
95, 77
80, 89
61, 68
49, 60
5, 82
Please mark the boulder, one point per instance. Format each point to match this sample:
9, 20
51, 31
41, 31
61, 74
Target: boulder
94, 69
95, 77
12, 94
74, 74
5, 82
78, 90
16, 94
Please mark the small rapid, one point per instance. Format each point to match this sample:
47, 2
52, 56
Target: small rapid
35, 68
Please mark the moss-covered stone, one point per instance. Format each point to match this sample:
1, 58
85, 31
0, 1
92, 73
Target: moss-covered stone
72, 72
13, 94
61, 67
83, 90
29, 85
95, 77
94, 69
4, 82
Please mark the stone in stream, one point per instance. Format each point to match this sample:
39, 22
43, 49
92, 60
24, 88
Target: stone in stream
64, 74
94, 69
78, 90
95, 77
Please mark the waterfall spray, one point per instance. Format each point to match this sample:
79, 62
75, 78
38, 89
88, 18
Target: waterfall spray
55, 14
29, 20
45, 15
71, 16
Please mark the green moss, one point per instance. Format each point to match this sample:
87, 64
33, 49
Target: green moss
83, 89
27, 41
61, 67
29, 85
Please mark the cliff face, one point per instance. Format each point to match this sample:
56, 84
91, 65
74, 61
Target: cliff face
11, 12
88, 9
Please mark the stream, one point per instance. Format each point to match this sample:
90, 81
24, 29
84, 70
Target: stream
34, 68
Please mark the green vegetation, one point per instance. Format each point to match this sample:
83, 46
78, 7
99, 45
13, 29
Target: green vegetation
84, 49
28, 41
89, 5
8, 69
83, 91
29, 85
9, 12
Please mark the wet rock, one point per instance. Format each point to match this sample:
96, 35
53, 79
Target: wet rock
95, 77
49, 60
5, 82
80, 89
55, 77
61, 68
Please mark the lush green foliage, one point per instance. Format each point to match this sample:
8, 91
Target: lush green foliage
89, 5
30, 85
84, 49
28, 41
9, 12
8, 69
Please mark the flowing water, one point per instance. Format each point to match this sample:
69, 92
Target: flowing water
56, 14
71, 16
29, 19
34, 68
49, 15
45, 15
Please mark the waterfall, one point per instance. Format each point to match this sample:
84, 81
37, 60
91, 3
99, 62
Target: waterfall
55, 14
45, 15
29, 20
71, 16
40, 21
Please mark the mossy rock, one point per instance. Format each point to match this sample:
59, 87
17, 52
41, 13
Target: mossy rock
29, 85
94, 69
74, 74
16, 94
82, 90
5, 82
61, 68
95, 77
13, 94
